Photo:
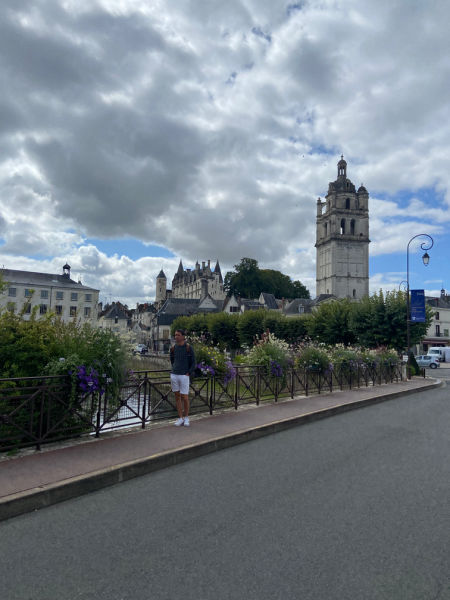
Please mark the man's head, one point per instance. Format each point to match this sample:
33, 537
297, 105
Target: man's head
180, 336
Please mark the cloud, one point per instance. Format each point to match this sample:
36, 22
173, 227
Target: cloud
210, 129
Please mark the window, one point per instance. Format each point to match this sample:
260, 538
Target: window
12, 292
354, 293
58, 309
352, 226
87, 311
88, 297
234, 309
42, 309
446, 332
74, 296
28, 293
436, 316
11, 306
44, 294
342, 226
73, 311
347, 203
60, 295
27, 310
438, 330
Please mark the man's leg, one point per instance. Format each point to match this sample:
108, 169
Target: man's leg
179, 404
185, 399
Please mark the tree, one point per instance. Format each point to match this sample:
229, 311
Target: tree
380, 320
329, 324
250, 324
248, 281
223, 330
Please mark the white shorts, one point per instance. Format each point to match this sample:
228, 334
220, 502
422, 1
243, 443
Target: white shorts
180, 383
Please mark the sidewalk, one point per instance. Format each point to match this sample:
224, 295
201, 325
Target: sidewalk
34, 480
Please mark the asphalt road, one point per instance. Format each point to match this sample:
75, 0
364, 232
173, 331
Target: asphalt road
352, 507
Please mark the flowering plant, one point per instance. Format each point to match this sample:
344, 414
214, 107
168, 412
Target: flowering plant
270, 352
211, 361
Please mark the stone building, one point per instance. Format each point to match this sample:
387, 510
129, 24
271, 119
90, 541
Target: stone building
342, 239
193, 284
49, 292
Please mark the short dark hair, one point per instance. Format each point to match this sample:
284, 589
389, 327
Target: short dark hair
182, 331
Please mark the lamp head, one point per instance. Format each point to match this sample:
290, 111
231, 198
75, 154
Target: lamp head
426, 258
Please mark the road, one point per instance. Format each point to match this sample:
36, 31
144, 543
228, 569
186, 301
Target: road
351, 507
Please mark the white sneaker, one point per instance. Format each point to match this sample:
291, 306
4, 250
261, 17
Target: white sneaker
179, 422
186, 421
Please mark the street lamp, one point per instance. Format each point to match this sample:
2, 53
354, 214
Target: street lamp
427, 245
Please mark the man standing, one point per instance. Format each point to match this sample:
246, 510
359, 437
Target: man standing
183, 365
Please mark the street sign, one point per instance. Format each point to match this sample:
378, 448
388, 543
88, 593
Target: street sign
417, 306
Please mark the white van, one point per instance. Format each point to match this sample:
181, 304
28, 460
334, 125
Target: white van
442, 352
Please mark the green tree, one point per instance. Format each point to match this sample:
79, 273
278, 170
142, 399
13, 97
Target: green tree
329, 324
248, 281
223, 330
250, 324
380, 320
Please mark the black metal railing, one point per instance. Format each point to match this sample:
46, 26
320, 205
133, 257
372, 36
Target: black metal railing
38, 410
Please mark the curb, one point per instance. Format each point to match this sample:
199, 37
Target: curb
46, 495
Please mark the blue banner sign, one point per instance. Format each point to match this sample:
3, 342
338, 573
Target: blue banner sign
417, 306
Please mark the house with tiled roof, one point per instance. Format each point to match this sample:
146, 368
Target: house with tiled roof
177, 307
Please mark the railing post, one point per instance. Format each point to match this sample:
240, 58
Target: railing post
209, 395
147, 386
258, 385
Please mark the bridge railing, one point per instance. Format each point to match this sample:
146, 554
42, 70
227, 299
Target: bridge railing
39, 410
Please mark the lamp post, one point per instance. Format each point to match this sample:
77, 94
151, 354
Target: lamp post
427, 245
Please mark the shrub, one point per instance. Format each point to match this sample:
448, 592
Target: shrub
312, 357
271, 353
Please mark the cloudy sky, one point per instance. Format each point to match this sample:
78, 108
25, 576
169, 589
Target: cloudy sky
134, 133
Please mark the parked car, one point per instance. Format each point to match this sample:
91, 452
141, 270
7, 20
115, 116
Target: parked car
140, 349
427, 360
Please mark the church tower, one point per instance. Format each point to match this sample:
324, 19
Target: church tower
342, 239
161, 287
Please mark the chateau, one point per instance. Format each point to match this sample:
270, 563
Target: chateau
342, 239
194, 284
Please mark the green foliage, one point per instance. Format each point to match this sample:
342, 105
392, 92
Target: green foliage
271, 353
380, 320
248, 281
250, 325
413, 367
35, 347
329, 324
312, 357
211, 360
182, 322
222, 328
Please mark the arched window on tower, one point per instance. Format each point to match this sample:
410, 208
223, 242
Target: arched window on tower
354, 293
347, 203
325, 229
352, 227
342, 226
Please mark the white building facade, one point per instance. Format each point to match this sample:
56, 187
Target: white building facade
28, 291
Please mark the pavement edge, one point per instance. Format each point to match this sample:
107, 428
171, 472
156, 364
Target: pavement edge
47, 495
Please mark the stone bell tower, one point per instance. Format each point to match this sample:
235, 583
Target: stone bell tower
342, 239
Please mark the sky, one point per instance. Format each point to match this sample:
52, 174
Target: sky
135, 133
